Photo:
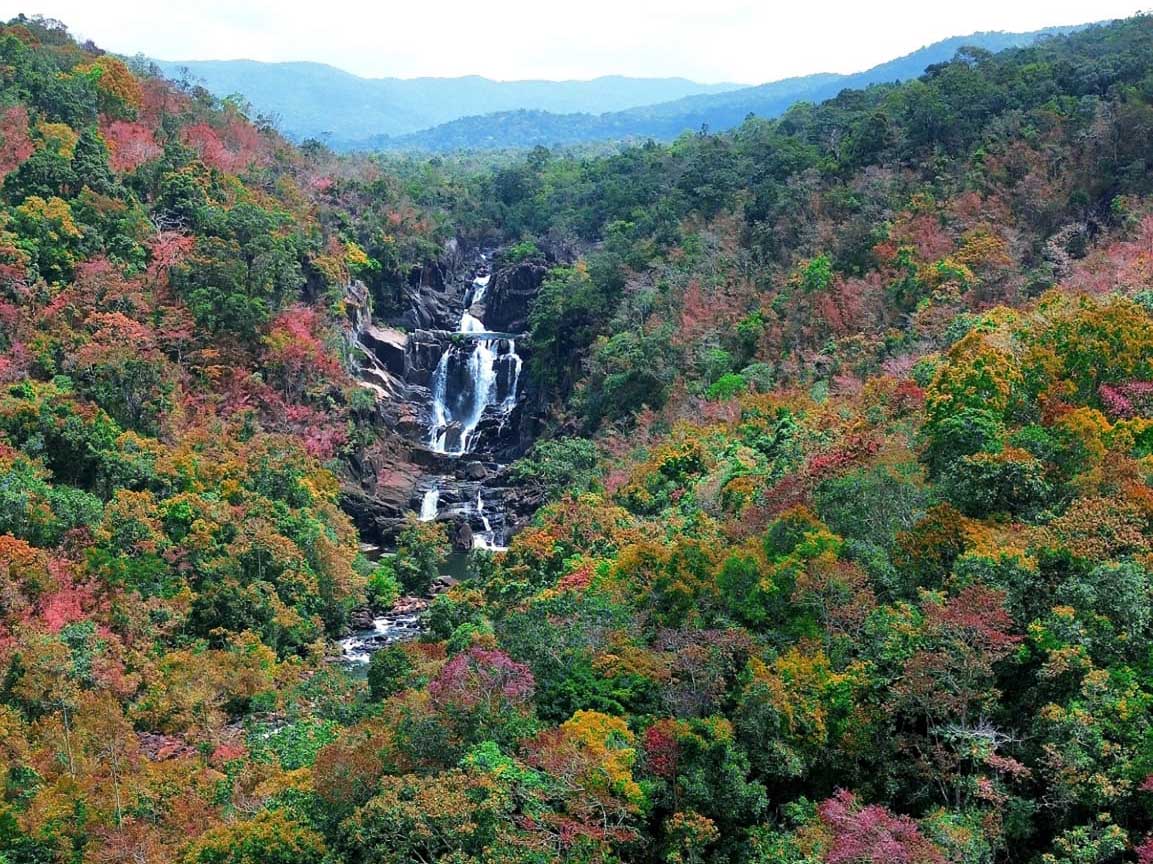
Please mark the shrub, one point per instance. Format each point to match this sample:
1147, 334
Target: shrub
383, 587
728, 386
389, 671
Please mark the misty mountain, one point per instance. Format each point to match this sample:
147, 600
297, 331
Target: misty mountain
666, 120
317, 100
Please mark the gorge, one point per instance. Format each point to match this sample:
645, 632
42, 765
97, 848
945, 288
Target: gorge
450, 397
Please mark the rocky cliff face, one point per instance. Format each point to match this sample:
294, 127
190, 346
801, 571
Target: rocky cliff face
434, 291
510, 295
397, 360
379, 476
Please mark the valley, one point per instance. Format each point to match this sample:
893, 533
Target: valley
773, 494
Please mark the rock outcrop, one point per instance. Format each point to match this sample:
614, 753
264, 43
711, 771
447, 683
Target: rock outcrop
510, 295
422, 353
388, 345
397, 360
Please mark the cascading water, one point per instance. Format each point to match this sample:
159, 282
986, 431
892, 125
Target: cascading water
475, 388
477, 374
358, 648
430, 504
479, 289
478, 371
486, 539
514, 367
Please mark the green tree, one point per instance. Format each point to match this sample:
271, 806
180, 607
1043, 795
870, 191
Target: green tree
270, 837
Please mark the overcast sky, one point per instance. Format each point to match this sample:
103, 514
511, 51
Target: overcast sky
748, 41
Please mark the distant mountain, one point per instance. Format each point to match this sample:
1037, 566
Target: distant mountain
663, 121
314, 99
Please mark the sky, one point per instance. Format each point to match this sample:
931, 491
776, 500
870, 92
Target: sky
743, 41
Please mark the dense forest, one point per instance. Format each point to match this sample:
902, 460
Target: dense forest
848, 442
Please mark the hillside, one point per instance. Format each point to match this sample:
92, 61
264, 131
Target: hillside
313, 100
835, 470
667, 120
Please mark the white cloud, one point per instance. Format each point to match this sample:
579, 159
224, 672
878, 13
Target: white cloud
711, 40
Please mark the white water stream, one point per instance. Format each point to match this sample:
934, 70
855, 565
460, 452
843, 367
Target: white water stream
474, 375
430, 504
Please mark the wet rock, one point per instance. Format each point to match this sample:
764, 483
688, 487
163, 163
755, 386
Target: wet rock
433, 462
453, 437
360, 619
461, 536
475, 471
497, 435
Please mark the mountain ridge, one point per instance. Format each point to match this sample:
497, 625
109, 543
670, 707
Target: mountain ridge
664, 121
318, 99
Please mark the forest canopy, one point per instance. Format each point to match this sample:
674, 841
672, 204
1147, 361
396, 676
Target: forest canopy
847, 540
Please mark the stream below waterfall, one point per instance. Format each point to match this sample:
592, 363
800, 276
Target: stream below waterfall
472, 395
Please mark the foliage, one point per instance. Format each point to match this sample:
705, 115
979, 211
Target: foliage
557, 466
845, 552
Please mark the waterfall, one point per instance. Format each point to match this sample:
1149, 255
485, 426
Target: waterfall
429, 504
480, 510
474, 388
514, 363
477, 376
439, 408
472, 375
478, 291
485, 539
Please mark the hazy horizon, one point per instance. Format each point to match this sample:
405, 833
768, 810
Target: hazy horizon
339, 68
730, 41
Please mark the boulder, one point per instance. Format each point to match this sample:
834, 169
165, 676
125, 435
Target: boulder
441, 584
388, 345
461, 536
360, 618
409, 605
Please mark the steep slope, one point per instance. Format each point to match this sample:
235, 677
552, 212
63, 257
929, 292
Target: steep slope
316, 100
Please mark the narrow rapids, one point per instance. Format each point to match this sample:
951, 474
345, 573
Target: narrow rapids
358, 648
